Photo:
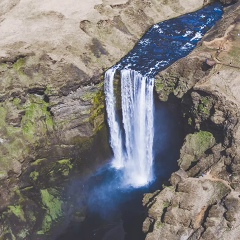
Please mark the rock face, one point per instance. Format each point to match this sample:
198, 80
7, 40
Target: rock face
52, 59
202, 201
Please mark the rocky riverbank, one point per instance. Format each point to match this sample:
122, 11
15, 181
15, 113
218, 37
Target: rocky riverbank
52, 59
202, 201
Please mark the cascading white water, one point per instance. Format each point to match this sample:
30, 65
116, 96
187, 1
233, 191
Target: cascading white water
113, 122
137, 111
135, 154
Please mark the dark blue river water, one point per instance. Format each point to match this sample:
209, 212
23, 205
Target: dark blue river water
170, 40
115, 212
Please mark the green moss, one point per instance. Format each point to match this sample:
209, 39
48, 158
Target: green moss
34, 175
204, 106
99, 97
17, 211
27, 188
166, 204
16, 101
13, 131
37, 119
38, 161
159, 86
52, 203
204, 138
96, 97
190, 121
65, 166
201, 141
165, 84
49, 122
159, 224
23, 234
66, 162
41, 232
29, 130
47, 223
3, 174
88, 96
50, 90
194, 147
20, 196
53, 207
3, 66
19, 64
97, 110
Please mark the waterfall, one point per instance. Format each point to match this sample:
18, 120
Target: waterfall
131, 131
131, 145
113, 121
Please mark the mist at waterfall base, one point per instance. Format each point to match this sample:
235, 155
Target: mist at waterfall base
115, 211
119, 208
114, 208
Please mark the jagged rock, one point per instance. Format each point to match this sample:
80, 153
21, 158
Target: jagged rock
184, 214
205, 205
178, 176
194, 147
147, 224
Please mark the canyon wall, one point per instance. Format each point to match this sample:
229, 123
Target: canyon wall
203, 198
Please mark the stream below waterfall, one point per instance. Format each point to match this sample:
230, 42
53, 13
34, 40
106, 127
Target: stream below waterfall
114, 202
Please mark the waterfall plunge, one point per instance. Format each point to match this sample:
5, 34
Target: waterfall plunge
131, 144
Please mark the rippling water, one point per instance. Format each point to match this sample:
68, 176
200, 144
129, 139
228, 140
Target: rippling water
170, 40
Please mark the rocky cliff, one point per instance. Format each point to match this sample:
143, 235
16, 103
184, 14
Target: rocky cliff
52, 59
203, 199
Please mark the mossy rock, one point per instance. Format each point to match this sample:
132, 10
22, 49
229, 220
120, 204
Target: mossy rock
24, 126
165, 84
194, 147
37, 119
204, 108
53, 206
17, 211
19, 219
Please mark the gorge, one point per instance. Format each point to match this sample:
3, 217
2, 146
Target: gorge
170, 40
53, 123
131, 137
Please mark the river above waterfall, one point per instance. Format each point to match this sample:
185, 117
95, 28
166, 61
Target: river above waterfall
130, 117
114, 210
